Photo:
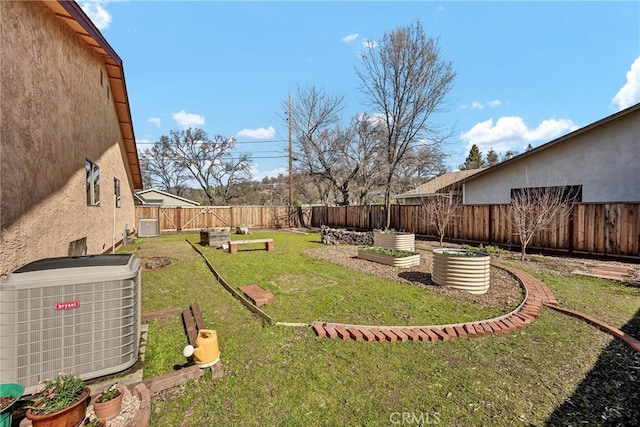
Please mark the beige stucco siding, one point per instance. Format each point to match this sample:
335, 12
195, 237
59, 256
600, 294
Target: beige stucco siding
605, 160
55, 114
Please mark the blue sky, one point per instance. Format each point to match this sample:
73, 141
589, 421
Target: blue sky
527, 72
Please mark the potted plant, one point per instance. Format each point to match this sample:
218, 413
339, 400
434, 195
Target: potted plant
108, 404
59, 402
9, 394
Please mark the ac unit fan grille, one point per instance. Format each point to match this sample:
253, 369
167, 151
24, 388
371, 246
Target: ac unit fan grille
99, 334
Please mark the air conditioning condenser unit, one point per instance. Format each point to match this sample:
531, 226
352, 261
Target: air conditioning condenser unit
148, 227
71, 314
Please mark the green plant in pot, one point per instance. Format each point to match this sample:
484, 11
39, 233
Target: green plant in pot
59, 402
108, 404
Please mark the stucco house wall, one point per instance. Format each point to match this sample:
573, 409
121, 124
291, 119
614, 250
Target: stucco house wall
57, 111
604, 159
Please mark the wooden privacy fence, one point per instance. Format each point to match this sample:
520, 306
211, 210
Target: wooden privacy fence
180, 218
599, 229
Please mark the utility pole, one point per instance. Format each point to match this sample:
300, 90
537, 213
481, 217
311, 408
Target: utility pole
290, 163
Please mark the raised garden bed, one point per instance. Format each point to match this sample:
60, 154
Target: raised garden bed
395, 240
392, 257
462, 269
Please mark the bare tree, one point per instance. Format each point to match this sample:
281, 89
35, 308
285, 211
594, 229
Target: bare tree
534, 209
406, 81
441, 210
161, 170
207, 160
326, 150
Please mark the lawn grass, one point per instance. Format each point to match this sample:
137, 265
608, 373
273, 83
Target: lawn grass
307, 289
556, 371
609, 301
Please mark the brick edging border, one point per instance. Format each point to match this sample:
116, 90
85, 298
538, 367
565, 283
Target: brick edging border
536, 295
628, 339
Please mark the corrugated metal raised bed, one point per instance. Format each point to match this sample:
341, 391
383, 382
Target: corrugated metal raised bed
390, 257
395, 240
462, 269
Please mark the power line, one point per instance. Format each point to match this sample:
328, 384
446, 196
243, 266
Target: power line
236, 142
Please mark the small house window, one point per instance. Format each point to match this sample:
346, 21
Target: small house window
568, 193
116, 191
78, 247
93, 183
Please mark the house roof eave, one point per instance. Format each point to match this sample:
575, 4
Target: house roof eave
556, 141
69, 12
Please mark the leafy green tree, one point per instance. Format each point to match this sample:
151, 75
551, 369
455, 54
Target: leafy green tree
474, 159
492, 158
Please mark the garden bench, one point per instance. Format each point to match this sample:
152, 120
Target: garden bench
233, 244
193, 322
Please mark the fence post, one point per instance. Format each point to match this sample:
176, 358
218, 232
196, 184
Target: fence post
179, 219
571, 218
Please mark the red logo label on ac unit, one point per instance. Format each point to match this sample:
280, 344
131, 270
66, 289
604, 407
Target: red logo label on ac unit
68, 305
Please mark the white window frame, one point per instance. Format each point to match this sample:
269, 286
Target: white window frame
92, 173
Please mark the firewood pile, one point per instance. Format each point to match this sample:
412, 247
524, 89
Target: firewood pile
334, 236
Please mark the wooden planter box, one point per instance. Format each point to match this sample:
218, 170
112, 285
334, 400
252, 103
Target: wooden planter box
215, 236
402, 262
399, 241
462, 269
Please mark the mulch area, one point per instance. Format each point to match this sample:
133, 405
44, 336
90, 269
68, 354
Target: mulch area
504, 290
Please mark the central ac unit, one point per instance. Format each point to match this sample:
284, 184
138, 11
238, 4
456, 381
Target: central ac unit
148, 227
72, 314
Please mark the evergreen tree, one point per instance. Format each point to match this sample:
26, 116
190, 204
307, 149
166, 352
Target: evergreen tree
474, 159
529, 147
492, 158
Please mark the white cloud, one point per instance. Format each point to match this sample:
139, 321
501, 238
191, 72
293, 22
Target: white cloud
96, 11
155, 120
629, 94
260, 133
511, 132
350, 37
369, 44
187, 120
257, 175
477, 105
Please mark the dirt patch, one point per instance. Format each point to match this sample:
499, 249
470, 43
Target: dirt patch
155, 262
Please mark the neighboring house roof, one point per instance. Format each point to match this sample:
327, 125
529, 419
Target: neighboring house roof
158, 197
71, 14
438, 183
556, 141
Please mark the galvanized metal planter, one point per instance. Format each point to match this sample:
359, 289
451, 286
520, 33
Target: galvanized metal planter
399, 241
462, 269
401, 262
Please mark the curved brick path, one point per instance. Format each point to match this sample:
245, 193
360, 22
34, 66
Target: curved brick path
537, 295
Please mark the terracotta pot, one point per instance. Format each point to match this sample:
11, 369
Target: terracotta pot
109, 409
69, 417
